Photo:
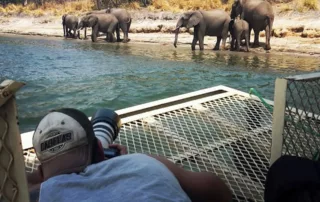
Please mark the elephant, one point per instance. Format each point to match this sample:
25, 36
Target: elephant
206, 23
123, 17
260, 16
106, 23
70, 22
239, 29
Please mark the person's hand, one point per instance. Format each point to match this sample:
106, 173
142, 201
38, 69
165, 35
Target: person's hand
121, 148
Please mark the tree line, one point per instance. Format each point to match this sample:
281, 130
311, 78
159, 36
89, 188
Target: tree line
100, 4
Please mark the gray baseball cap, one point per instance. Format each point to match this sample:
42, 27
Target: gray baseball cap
63, 142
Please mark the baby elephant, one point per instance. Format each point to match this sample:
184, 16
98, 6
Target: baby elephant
239, 29
70, 22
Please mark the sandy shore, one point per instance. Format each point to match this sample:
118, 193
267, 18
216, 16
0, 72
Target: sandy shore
293, 34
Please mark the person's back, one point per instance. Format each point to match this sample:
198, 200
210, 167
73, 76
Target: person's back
133, 177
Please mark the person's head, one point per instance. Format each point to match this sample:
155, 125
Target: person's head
64, 143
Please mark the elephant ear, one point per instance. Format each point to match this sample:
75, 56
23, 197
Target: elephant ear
92, 21
194, 19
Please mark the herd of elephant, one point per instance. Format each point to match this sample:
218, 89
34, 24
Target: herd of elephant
107, 21
246, 15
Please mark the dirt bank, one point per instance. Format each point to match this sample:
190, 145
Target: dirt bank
294, 33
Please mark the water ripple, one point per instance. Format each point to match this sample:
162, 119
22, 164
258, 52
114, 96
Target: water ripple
81, 74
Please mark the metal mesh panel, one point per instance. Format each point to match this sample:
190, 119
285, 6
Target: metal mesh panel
8, 187
301, 135
229, 136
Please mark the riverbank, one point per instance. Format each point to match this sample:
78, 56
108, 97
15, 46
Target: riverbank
294, 33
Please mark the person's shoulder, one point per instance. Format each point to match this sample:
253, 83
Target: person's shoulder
124, 160
139, 157
134, 158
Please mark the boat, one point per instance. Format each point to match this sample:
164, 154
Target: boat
234, 134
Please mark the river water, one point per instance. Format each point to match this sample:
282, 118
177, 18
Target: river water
87, 76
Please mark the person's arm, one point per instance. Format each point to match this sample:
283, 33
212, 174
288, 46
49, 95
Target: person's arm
199, 186
122, 149
34, 179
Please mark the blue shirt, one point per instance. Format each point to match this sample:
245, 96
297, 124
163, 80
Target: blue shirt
132, 177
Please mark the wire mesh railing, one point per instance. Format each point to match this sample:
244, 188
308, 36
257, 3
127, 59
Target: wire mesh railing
302, 121
299, 134
228, 134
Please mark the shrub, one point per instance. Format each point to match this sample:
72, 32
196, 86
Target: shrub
132, 6
74, 7
176, 5
310, 4
285, 8
38, 13
305, 5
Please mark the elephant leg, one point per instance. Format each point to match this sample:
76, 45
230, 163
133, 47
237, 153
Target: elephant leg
124, 28
107, 36
242, 43
250, 29
128, 29
232, 43
85, 33
201, 40
95, 33
64, 31
217, 46
195, 38
268, 35
194, 42
238, 41
112, 37
224, 35
78, 34
74, 33
247, 40
69, 32
112, 27
256, 39
118, 34
223, 46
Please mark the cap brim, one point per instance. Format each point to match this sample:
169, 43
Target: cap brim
71, 161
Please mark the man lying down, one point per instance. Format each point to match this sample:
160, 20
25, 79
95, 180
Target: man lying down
80, 163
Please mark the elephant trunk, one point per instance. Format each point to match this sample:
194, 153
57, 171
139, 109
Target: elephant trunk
176, 37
